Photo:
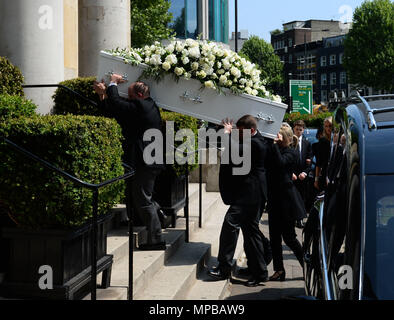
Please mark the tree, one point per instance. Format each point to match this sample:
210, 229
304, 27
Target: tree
369, 46
262, 54
149, 22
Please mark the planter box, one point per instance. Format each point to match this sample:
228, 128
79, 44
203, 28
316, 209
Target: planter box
66, 251
185, 97
170, 194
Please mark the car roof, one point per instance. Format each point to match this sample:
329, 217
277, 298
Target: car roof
379, 142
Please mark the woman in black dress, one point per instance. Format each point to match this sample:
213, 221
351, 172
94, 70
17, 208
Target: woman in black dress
323, 155
284, 207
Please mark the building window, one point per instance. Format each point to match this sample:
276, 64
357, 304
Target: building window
333, 60
185, 16
324, 95
333, 78
218, 20
323, 61
290, 42
341, 58
323, 79
343, 78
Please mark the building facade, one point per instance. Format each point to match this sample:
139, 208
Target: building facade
205, 18
299, 46
331, 74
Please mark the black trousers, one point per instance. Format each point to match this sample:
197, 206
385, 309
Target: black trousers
282, 226
141, 190
247, 219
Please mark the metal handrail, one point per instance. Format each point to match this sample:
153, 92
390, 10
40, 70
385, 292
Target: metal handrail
94, 187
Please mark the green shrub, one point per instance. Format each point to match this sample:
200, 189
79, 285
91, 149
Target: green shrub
11, 78
84, 146
311, 120
15, 106
67, 103
182, 122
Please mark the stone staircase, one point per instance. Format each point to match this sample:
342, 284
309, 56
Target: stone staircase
179, 272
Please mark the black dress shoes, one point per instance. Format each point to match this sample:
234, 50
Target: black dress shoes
219, 274
152, 246
254, 282
278, 276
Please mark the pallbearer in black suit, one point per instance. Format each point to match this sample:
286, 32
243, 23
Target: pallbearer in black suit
304, 155
136, 115
246, 195
283, 206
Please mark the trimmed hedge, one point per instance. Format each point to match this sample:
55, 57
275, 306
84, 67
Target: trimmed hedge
15, 106
66, 103
311, 120
87, 147
182, 122
11, 78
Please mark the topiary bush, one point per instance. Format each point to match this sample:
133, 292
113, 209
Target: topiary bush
311, 120
15, 106
66, 103
182, 122
11, 78
87, 147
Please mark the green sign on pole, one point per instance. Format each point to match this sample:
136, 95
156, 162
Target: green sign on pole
301, 92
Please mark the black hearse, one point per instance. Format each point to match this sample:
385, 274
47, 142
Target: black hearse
348, 239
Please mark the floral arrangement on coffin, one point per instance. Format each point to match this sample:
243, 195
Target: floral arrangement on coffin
213, 65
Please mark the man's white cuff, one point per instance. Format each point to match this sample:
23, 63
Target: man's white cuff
112, 84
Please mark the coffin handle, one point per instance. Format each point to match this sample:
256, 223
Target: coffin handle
186, 96
265, 117
124, 75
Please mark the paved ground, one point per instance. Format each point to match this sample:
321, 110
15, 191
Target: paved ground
293, 286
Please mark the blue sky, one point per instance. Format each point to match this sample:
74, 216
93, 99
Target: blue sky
260, 17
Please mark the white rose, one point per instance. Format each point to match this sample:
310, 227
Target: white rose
155, 59
209, 84
187, 75
254, 92
179, 46
235, 72
171, 59
166, 66
195, 66
218, 65
194, 52
228, 83
178, 71
201, 74
185, 60
248, 90
222, 79
277, 99
221, 71
170, 48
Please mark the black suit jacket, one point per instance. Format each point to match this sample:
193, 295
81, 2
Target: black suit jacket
135, 117
306, 153
246, 189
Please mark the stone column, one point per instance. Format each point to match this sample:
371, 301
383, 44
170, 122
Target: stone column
31, 37
103, 24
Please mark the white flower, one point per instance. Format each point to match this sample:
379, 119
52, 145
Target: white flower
221, 71
248, 90
195, 66
194, 52
209, 84
218, 65
166, 66
222, 79
201, 74
170, 48
187, 75
254, 92
179, 46
235, 72
171, 59
226, 64
191, 43
228, 83
185, 60
179, 71
155, 60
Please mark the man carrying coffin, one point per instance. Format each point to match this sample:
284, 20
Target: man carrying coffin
135, 115
246, 195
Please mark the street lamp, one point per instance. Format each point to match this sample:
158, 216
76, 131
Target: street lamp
236, 25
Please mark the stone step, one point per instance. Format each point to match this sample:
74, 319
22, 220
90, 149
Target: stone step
205, 288
185, 260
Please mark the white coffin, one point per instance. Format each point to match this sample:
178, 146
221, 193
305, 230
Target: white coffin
186, 97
